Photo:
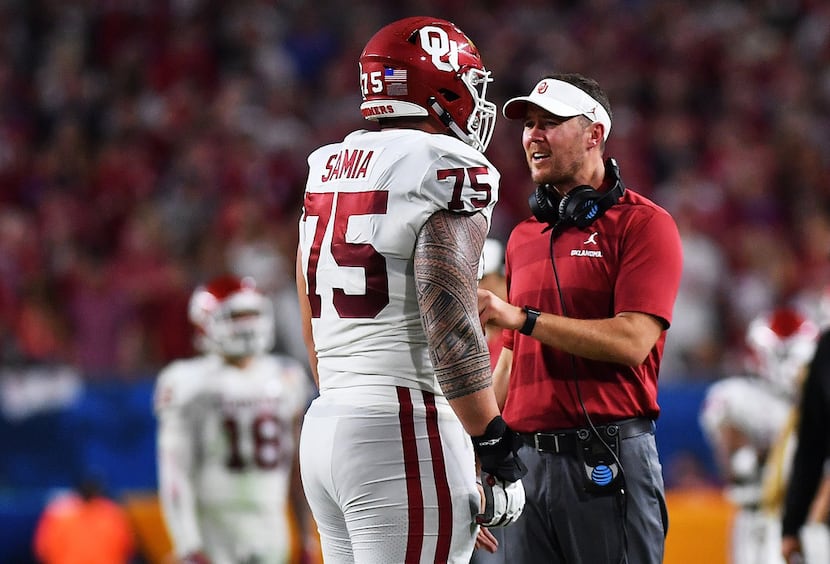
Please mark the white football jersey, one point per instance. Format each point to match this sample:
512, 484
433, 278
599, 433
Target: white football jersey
748, 404
366, 200
226, 445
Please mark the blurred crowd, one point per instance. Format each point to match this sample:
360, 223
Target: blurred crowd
147, 145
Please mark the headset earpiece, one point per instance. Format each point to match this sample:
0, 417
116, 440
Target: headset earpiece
544, 203
581, 206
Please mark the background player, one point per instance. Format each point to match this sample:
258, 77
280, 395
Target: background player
228, 422
390, 238
748, 420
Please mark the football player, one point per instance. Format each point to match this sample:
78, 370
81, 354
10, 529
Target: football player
749, 422
228, 423
392, 229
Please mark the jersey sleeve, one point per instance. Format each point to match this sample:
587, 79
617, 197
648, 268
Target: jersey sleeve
459, 179
651, 267
176, 458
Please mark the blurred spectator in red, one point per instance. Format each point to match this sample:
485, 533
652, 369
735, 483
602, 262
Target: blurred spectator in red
257, 247
156, 288
41, 329
813, 246
84, 527
99, 315
695, 346
185, 54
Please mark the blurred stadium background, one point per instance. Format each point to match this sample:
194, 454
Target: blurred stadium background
146, 145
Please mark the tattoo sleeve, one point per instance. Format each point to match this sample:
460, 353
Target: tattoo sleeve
446, 267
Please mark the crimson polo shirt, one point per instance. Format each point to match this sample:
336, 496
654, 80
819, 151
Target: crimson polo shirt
630, 259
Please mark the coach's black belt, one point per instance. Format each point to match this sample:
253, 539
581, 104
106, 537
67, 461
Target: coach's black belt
567, 441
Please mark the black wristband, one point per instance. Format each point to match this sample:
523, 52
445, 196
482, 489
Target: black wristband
532, 315
497, 451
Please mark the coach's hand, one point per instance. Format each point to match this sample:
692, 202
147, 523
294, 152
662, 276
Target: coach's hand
502, 469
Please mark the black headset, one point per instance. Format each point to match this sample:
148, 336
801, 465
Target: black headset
581, 206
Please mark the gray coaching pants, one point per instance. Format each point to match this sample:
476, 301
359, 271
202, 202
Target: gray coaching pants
562, 524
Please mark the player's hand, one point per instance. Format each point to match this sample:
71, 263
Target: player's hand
498, 451
791, 550
197, 557
502, 469
503, 501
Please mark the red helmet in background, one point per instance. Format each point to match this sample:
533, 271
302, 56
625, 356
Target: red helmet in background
424, 67
232, 317
782, 343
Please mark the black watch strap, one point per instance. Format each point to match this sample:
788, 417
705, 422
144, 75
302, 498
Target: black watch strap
532, 315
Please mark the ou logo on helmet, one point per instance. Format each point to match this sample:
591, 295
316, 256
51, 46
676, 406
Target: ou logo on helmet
440, 47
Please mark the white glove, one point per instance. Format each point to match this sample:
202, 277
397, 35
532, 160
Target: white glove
503, 501
815, 542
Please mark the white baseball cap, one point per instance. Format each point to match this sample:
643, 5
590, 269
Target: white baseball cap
561, 99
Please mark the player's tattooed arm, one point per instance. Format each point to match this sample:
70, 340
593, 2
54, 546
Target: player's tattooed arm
446, 270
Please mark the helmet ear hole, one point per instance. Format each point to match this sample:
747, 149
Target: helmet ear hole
449, 95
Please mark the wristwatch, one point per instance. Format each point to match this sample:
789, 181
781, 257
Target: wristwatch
532, 315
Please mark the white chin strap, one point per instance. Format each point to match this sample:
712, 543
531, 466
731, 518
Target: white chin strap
471, 139
447, 120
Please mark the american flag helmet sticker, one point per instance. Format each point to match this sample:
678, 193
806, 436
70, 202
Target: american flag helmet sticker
395, 80
394, 75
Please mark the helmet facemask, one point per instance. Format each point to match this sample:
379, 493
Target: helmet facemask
240, 332
482, 120
782, 344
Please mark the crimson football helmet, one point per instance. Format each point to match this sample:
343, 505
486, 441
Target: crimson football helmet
782, 343
232, 317
422, 67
